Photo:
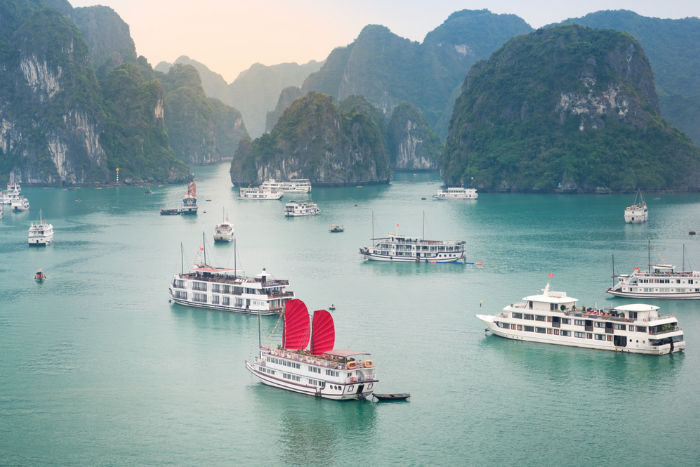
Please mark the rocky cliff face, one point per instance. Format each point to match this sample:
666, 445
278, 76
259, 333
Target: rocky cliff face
287, 96
413, 145
566, 109
107, 37
230, 129
50, 115
134, 137
388, 69
314, 139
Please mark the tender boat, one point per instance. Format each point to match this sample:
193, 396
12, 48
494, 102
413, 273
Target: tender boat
226, 289
39, 276
294, 185
170, 212
457, 193
402, 396
260, 194
336, 228
20, 204
554, 318
319, 370
41, 232
148, 191
224, 231
638, 212
301, 208
189, 202
660, 281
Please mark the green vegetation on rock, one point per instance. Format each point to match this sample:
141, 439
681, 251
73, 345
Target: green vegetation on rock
134, 137
314, 139
569, 105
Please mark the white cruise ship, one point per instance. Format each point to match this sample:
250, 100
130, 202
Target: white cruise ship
20, 204
399, 248
6, 197
40, 233
660, 281
554, 318
638, 212
319, 370
189, 202
228, 289
224, 232
301, 208
12, 185
294, 185
457, 193
260, 194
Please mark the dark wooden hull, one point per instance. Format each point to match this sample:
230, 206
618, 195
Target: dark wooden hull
392, 397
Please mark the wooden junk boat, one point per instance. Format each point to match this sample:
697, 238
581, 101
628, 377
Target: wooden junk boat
319, 370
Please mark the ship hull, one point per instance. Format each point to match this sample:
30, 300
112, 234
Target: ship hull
403, 259
577, 342
233, 309
42, 241
345, 391
656, 295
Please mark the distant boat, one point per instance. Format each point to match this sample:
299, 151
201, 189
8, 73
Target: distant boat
457, 193
41, 233
170, 212
336, 228
148, 191
20, 204
402, 396
637, 213
189, 202
39, 276
301, 208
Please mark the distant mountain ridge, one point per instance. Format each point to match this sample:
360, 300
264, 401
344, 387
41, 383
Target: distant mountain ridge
388, 69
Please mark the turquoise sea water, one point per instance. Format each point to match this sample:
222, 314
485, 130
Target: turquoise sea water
97, 368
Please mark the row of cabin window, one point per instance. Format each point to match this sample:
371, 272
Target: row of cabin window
267, 370
385, 246
280, 361
292, 377
556, 332
315, 382
663, 281
216, 299
662, 290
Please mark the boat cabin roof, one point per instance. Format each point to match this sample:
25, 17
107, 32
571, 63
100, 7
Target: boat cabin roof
550, 299
668, 267
223, 271
344, 353
638, 307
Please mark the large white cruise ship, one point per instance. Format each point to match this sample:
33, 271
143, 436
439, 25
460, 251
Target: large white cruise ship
41, 233
554, 318
637, 213
457, 193
403, 249
228, 289
294, 185
260, 193
20, 204
301, 208
319, 370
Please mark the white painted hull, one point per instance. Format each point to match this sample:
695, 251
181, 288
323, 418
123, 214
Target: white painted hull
456, 197
636, 217
41, 241
404, 259
656, 295
233, 309
345, 391
301, 214
223, 237
576, 342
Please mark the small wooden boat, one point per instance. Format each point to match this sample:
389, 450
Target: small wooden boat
692, 232
208, 199
170, 212
393, 397
423, 199
336, 228
39, 276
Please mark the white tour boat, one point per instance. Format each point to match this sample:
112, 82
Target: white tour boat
319, 371
20, 204
294, 185
228, 289
6, 197
41, 233
12, 185
301, 208
659, 281
260, 193
638, 212
224, 231
189, 202
554, 318
457, 193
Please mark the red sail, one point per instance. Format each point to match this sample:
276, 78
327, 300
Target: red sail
192, 190
323, 338
296, 325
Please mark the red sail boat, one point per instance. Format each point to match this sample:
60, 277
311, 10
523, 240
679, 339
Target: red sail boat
318, 370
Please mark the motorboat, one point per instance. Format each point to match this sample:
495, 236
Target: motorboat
39, 276
336, 228
319, 370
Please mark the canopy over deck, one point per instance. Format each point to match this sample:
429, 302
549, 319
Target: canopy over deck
638, 307
344, 353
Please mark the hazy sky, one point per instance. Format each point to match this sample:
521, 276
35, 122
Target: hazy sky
230, 35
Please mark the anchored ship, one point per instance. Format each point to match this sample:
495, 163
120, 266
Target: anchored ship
226, 289
41, 232
301, 208
319, 370
554, 318
189, 202
260, 193
457, 193
637, 212
294, 185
